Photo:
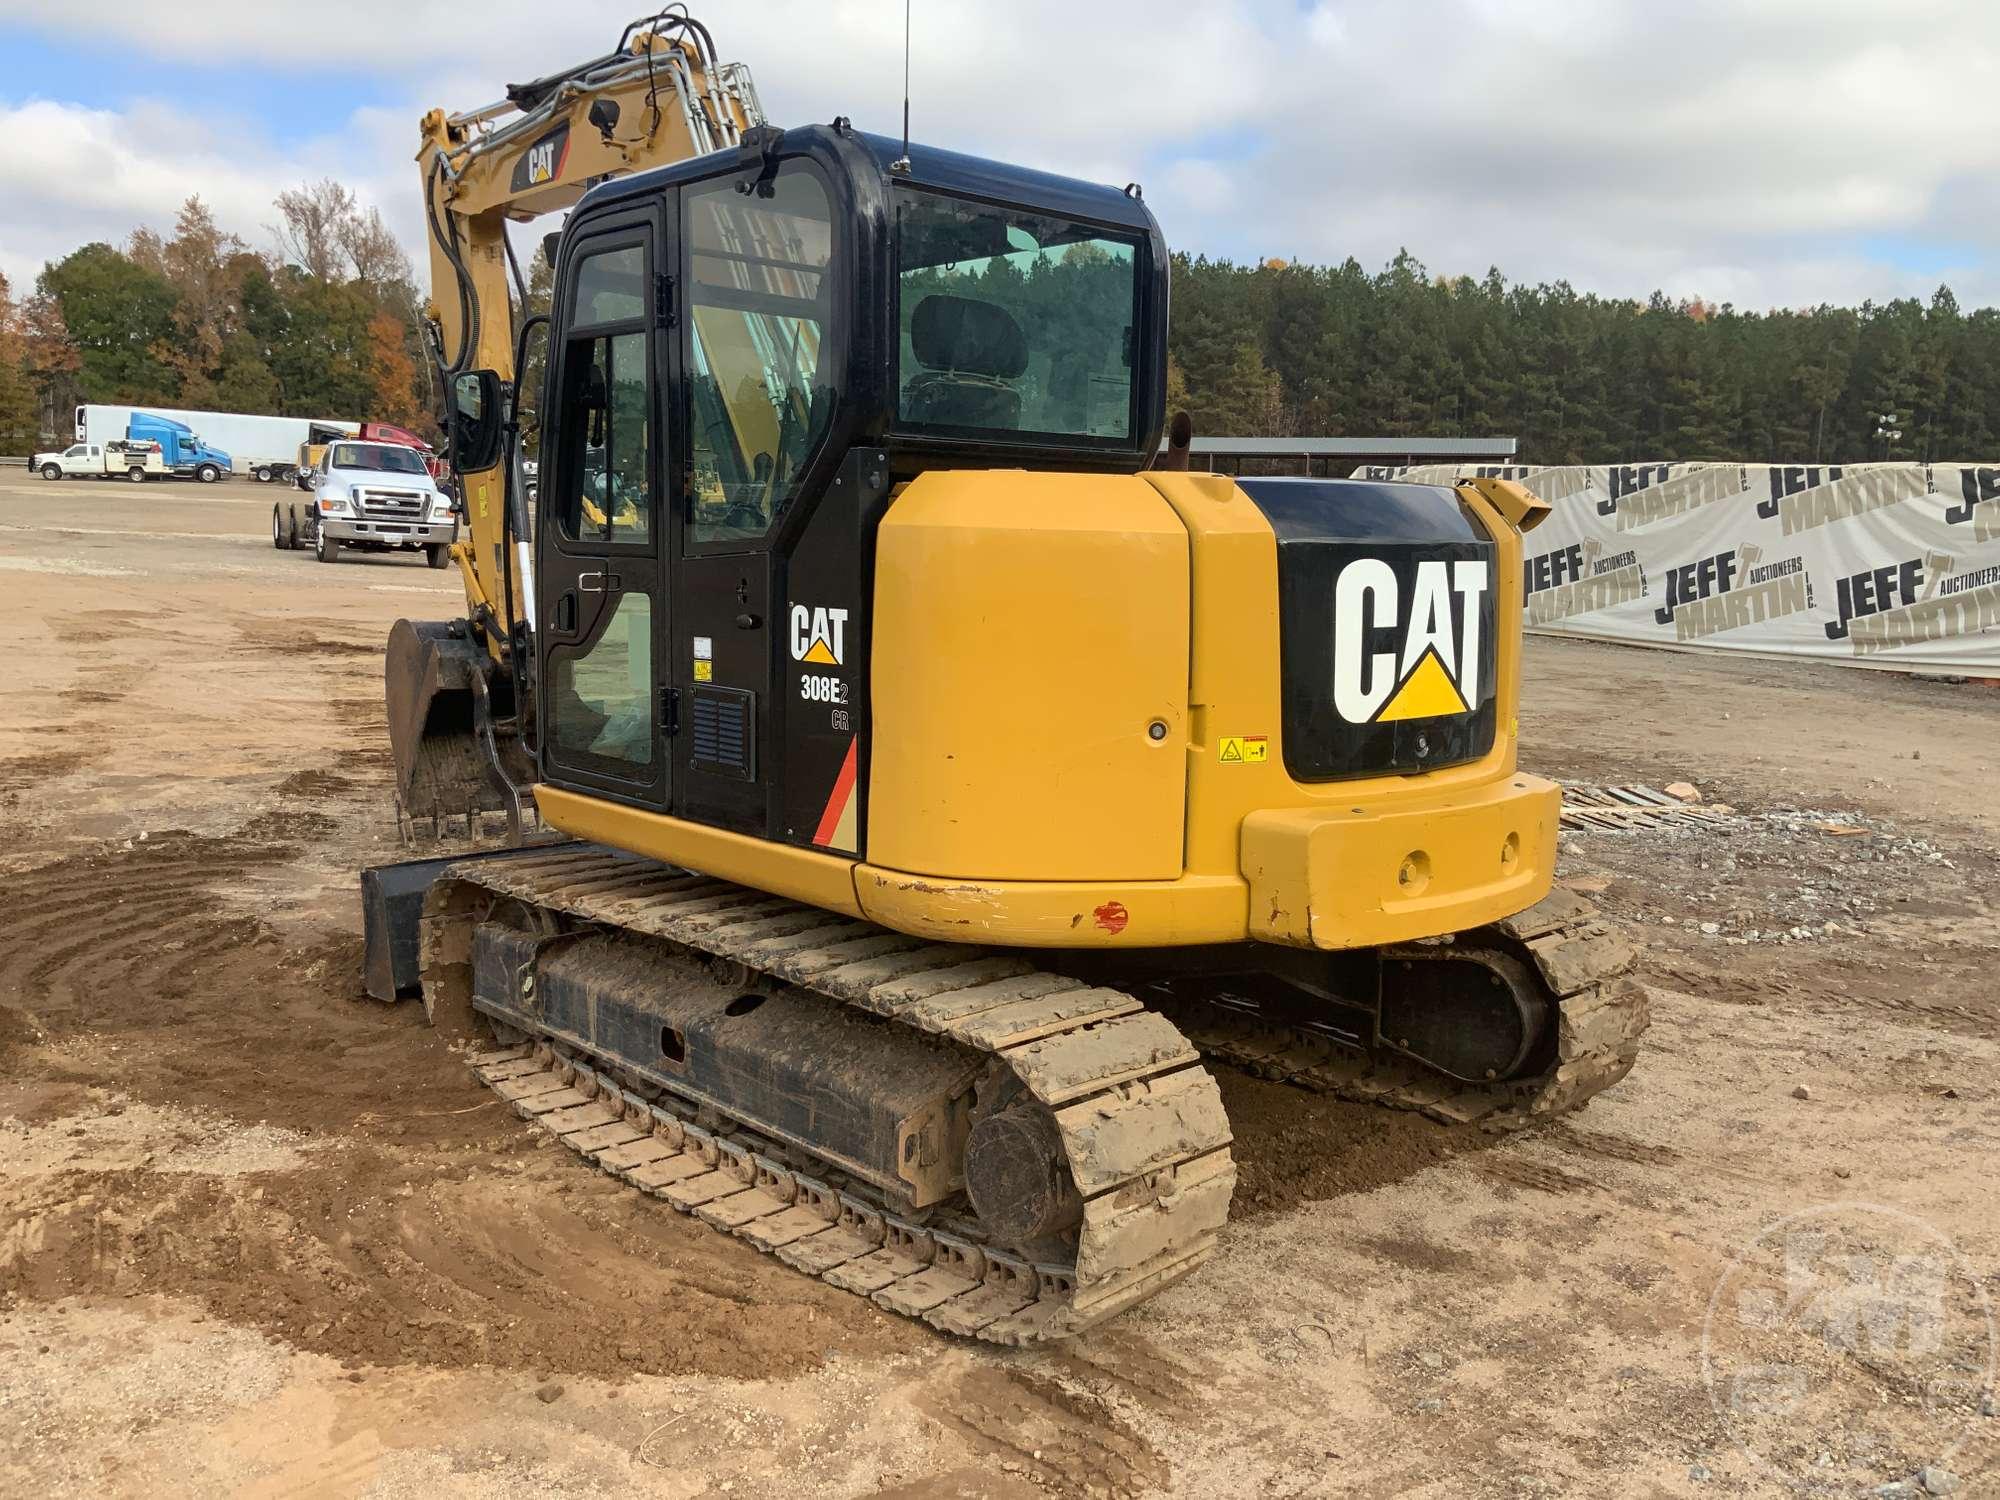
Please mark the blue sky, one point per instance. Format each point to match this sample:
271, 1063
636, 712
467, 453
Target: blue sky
1765, 152
287, 104
1924, 257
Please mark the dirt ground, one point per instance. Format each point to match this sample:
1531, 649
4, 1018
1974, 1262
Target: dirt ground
261, 1236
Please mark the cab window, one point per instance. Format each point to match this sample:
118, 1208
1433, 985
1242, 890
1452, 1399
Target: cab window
759, 366
604, 492
610, 287
1013, 322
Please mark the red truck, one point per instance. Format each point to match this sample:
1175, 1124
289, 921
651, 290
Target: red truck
382, 432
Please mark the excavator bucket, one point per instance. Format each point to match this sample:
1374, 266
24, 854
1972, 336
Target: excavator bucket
441, 732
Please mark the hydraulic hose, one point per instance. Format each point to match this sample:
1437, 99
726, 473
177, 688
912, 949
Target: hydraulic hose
446, 235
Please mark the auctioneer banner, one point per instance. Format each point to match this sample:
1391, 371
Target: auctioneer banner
1878, 565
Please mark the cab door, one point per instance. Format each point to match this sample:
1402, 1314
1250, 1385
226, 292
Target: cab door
599, 536
757, 369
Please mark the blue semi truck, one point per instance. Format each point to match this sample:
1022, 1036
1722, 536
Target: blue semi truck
181, 450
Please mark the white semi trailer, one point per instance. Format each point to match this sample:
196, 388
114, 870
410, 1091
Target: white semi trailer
263, 447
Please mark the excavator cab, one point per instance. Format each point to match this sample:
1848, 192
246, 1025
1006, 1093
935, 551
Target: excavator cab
750, 353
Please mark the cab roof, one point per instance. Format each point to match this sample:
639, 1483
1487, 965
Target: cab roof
930, 166
979, 177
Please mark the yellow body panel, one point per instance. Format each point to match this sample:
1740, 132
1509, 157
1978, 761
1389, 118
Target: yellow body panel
1263, 857
1058, 914
1325, 877
1236, 693
802, 874
1029, 631
1358, 876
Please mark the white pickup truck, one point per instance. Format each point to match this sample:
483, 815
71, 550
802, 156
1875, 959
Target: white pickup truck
136, 461
368, 497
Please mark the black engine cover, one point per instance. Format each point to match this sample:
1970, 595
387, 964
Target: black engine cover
1386, 626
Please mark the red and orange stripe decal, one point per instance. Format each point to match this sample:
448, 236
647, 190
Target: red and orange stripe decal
837, 824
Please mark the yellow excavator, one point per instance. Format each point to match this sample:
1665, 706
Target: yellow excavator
945, 780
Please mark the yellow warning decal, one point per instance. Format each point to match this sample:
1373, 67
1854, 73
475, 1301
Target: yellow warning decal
1427, 693
822, 653
1245, 749
704, 671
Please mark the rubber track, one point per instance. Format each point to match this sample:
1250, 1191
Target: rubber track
1584, 960
1140, 1119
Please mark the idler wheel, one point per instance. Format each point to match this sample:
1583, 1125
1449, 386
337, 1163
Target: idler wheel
1018, 1176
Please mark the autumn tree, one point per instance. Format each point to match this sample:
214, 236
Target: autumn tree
327, 234
393, 373
328, 327
313, 221
18, 415
378, 261
205, 266
51, 362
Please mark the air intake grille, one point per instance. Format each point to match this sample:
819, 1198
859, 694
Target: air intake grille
391, 505
724, 724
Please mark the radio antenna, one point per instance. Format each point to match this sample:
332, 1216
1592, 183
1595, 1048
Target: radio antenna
902, 163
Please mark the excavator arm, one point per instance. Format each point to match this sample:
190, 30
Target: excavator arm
661, 95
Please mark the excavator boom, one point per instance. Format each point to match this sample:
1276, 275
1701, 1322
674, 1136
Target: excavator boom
660, 96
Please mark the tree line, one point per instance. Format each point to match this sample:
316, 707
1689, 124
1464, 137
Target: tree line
324, 324
1578, 378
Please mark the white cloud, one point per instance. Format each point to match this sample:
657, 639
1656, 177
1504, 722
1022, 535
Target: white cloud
1771, 153
92, 174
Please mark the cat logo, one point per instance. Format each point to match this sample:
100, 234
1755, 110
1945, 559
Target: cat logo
543, 161
1430, 668
819, 636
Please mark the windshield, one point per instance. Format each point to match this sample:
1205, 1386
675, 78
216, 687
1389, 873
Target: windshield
1013, 321
382, 460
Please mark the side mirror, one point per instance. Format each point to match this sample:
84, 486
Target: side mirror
551, 246
475, 421
307, 474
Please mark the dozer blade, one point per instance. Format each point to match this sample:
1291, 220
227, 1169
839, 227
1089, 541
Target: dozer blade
392, 907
